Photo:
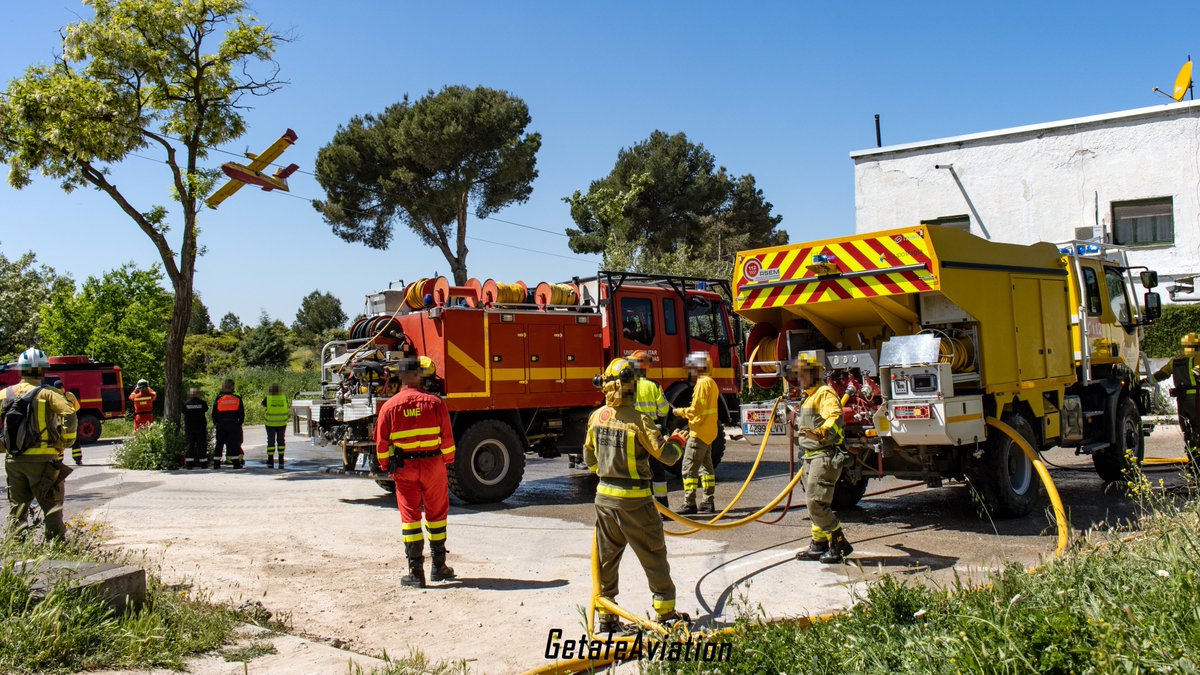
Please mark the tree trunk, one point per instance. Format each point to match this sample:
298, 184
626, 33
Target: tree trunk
181, 315
458, 266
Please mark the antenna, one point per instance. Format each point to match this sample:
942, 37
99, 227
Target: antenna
1183, 83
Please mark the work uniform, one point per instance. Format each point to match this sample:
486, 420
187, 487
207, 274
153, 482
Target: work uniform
275, 420
649, 401
228, 413
413, 430
76, 446
701, 417
617, 448
1185, 372
38, 473
143, 407
195, 431
821, 411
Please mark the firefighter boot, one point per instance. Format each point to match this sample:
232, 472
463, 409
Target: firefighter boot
416, 573
673, 618
816, 549
270, 461
439, 571
839, 548
281, 460
611, 623
708, 507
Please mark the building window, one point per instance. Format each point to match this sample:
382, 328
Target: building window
1144, 222
957, 222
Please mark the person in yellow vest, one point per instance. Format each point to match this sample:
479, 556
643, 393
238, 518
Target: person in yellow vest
617, 448
1185, 372
701, 417
275, 419
820, 431
77, 446
34, 444
649, 401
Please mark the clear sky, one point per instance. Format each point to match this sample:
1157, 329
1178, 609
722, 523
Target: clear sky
783, 91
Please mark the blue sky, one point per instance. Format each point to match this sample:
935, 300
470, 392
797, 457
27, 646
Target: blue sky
783, 91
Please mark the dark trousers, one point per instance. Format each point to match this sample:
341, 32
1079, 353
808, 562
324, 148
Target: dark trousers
229, 441
197, 446
275, 441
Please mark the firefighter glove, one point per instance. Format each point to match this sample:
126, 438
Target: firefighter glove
680, 437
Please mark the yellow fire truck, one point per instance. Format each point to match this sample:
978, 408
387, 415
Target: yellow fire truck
929, 331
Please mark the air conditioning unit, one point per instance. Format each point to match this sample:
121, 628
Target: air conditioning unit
1085, 233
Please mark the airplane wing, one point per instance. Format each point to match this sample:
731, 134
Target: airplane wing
225, 192
264, 160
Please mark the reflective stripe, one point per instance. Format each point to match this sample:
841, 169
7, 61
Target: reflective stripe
447, 451
423, 431
708, 481
384, 455
631, 456
690, 483
623, 493
277, 411
659, 489
664, 606
410, 538
436, 523
415, 445
42, 450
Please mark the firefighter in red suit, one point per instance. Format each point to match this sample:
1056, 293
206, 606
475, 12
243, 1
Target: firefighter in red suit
414, 443
142, 398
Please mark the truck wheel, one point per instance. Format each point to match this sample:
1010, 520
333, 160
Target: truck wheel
489, 462
88, 430
387, 485
1116, 461
1004, 477
848, 493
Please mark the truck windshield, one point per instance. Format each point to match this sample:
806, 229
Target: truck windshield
1116, 295
706, 321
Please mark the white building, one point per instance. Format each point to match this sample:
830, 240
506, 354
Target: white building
1131, 177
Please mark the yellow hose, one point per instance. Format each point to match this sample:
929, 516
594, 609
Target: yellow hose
1166, 460
1060, 516
562, 294
413, 298
509, 294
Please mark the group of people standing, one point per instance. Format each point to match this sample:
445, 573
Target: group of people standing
228, 416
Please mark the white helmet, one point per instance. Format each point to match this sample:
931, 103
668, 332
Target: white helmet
143, 383
32, 359
699, 360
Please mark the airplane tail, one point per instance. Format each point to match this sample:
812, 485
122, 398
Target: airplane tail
282, 176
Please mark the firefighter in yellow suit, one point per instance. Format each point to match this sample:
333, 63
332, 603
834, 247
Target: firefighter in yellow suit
650, 401
701, 417
820, 431
619, 444
1185, 373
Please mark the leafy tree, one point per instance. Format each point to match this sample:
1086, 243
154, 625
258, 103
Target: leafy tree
201, 323
230, 323
423, 164
209, 353
121, 316
318, 312
141, 75
667, 203
24, 287
265, 345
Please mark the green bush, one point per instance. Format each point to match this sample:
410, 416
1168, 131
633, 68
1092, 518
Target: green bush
154, 447
251, 384
1162, 337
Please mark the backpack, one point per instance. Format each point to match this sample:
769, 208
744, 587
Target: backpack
20, 428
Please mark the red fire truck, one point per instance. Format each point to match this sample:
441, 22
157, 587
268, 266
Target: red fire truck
515, 364
96, 384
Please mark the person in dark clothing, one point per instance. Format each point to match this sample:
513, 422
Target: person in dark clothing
195, 429
228, 413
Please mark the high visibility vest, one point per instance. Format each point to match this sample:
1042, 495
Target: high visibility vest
649, 399
810, 416
1183, 371
277, 414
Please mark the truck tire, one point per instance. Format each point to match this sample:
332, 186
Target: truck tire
848, 493
1003, 476
387, 485
1116, 461
89, 428
488, 464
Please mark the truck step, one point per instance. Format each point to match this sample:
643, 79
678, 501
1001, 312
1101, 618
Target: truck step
354, 473
1092, 448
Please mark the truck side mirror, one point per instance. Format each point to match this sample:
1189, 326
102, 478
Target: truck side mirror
1153, 305
1149, 279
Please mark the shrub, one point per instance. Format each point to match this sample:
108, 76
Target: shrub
1162, 337
251, 384
154, 447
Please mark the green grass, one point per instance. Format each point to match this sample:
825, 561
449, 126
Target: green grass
116, 428
71, 631
252, 383
416, 663
249, 652
1117, 604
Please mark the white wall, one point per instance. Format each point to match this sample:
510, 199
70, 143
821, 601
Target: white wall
1039, 183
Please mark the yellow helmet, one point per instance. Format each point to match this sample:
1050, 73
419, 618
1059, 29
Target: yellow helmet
619, 369
1190, 341
426, 366
809, 360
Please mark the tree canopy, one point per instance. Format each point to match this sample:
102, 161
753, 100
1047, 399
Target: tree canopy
162, 76
667, 203
121, 316
265, 345
230, 323
424, 164
319, 312
201, 323
24, 287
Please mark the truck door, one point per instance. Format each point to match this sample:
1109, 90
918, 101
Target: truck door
636, 328
545, 348
510, 368
708, 331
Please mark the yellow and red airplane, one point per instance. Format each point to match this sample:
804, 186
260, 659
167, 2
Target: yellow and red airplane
240, 174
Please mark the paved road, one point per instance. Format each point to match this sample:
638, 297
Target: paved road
324, 549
